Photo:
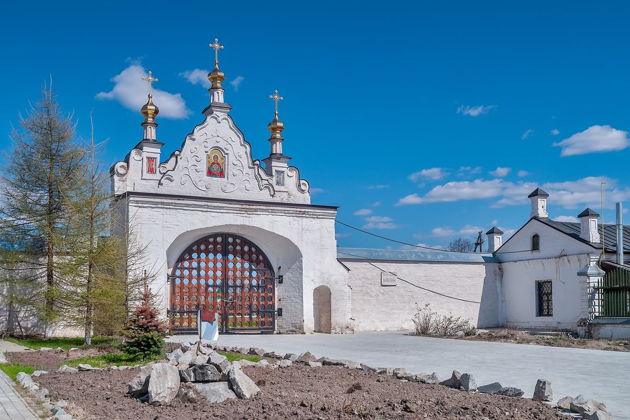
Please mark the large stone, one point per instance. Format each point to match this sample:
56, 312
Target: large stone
83, 367
597, 415
186, 375
219, 361
45, 348
468, 382
510, 391
139, 385
214, 392
584, 406
26, 381
429, 379
293, 357
274, 355
188, 357
256, 351
241, 384
565, 403
163, 383
39, 373
200, 359
326, 361
67, 369
284, 363
306, 357
207, 373
454, 381
543, 391
175, 355
492, 388
314, 364
351, 365
364, 368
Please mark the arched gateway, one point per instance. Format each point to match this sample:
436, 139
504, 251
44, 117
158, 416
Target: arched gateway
228, 275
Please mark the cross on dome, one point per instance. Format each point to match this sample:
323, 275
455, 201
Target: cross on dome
216, 47
276, 98
150, 79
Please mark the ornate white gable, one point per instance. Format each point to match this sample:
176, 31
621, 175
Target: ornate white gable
188, 171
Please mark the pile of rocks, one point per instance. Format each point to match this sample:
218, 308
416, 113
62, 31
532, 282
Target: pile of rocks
588, 409
192, 374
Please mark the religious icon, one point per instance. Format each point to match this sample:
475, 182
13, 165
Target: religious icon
216, 164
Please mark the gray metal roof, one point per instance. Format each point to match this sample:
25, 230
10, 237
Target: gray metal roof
411, 255
588, 212
538, 192
609, 233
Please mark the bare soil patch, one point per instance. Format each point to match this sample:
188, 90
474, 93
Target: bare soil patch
298, 391
50, 359
564, 340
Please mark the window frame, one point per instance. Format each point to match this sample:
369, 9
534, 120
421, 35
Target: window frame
542, 309
535, 242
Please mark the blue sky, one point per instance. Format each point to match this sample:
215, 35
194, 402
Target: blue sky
423, 121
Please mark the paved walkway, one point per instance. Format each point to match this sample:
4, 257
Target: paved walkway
12, 406
601, 375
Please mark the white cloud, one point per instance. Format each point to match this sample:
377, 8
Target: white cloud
316, 191
363, 212
457, 190
131, 91
597, 138
236, 83
527, 133
500, 172
377, 187
555, 132
431, 173
375, 204
584, 192
522, 173
566, 219
197, 77
475, 111
379, 222
440, 232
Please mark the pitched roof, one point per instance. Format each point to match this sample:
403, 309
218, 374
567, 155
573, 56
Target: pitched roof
588, 212
608, 232
412, 255
538, 192
495, 230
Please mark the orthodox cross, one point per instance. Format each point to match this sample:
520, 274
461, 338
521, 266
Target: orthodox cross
216, 47
150, 79
276, 98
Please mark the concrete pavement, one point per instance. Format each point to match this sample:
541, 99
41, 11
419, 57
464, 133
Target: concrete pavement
12, 406
600, 375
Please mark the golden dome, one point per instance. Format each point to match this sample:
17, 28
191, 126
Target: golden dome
216, 76
149, 110
276, 126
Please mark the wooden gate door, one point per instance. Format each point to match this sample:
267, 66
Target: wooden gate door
226, 274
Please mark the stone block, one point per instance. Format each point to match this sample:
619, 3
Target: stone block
293, 357
200, 359
306, 357
453, 381
219, 361
510, 391
314, 364
256, 351
175, 355
207, 373
67, 369
543, 391
214, 392
284, 363
139, 385
163, 383
468, 383
241, 384
492, 388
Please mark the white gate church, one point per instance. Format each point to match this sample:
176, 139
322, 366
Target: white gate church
227, 233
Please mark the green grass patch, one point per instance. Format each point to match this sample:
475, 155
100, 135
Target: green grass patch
109, 360
65, 343
14, 368
232, 357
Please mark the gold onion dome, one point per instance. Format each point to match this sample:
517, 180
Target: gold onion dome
149, 110
276, 126
216, 76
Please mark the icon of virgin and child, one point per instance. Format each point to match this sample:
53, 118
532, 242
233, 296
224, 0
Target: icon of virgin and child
216, 164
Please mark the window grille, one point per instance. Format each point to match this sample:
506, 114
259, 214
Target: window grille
545, 300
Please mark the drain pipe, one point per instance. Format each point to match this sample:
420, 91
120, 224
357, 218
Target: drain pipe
620, 233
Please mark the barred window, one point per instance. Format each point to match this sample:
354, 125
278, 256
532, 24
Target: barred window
544, 298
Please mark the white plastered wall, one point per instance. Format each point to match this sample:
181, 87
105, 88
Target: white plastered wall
559, 260
300, 239
378, 308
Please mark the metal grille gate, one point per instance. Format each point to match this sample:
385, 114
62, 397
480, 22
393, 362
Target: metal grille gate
226, 274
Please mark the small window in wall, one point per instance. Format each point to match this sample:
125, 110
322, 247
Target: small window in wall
544, 298
280, 178
535, 242
151, 161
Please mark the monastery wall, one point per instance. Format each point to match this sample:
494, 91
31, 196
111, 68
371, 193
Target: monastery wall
377, 307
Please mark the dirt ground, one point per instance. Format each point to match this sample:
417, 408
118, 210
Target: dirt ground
298, 392
50, 359
523, 337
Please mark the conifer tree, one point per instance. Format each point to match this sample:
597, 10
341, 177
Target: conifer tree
40, 178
